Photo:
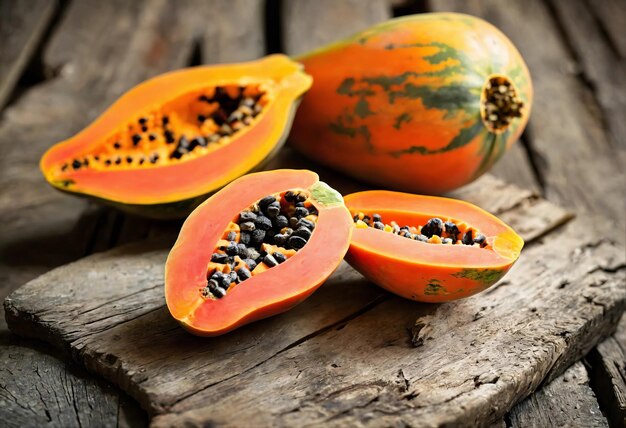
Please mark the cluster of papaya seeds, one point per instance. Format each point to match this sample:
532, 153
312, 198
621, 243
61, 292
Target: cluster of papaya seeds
169, 142
429, 101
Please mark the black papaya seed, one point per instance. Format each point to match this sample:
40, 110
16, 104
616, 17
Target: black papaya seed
251, 263
263, 223
468, 239
280, 222
379, 225
243, 273
244, 238
303, 232
280, 257
219, 292
480, 240
273, 209
232, 249
263, 203
232, 235
269, 260
247, 226
301, 212
258, 236
296, 242
420, 237
219, 258
280, 239
247, 216
377, 217
303, 222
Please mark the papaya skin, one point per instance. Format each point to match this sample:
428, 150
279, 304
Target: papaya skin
173, 190
428, 272
271, 292
401, 105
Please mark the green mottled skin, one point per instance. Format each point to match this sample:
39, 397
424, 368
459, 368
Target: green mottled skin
486, 277
458, 94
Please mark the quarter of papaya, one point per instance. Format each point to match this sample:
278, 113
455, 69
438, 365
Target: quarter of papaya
166, 144
267, 290
429, 271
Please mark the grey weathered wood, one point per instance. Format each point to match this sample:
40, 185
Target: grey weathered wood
608, 368
612, 16
100, 49
601, 66
22, 24
572, 152
567, 401
311, 24
344, 353
37, 389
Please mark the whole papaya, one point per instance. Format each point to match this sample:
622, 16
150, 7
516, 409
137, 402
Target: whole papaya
423, 103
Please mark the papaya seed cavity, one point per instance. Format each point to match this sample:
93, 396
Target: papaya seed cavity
434, 231
189, 126
261, 237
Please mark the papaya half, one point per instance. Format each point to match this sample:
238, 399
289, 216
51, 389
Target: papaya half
428, 248
256, 248
172, 140
422, 103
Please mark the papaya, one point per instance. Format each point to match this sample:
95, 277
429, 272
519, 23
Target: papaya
428, 248
169, 142
422, 103
254, 249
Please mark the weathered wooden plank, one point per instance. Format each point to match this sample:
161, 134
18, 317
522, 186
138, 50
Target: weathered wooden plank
612, 16
233, 31
480, 356
37, 389
572, 152
608, 371
22, 24
567, 401
311, 24
100, 49
100, 325
601, 66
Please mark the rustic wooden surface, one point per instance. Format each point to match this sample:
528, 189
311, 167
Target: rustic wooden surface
95, 50
316, 363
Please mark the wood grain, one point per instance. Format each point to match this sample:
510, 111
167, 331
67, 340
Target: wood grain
100, 50
22, 25
345, 353
311, 24
608, 368
567, 401
601, 67
612, 16
39, 390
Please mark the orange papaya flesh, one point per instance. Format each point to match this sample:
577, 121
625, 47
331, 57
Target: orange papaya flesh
423, 103
426, 248
172, 140
218, 276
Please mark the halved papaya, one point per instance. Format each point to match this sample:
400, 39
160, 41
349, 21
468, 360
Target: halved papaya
172, 140
254, 249
427, 248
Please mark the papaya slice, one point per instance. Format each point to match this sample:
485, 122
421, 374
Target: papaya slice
172, 140
254, 249
427, 248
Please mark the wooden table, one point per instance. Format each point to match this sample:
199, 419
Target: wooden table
62, 63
